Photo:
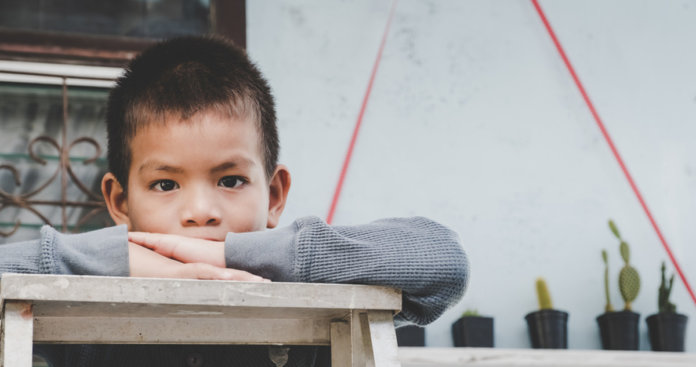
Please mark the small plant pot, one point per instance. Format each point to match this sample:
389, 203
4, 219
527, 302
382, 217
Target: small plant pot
667, 331
410, 336
548, 329
619, 330
473, 331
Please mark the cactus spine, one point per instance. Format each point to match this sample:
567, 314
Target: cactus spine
543, 295
663, 303
605, 257
629, 280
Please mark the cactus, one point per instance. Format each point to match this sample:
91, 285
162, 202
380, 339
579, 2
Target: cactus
629, 279
605, 257
470, 312
614, 230
543, 295
663, 303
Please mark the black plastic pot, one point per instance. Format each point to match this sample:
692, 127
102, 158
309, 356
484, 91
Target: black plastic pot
548, 329
667, 331
619, 330
410, 336
473, 331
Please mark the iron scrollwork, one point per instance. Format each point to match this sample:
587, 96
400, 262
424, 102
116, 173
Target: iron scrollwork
28, 201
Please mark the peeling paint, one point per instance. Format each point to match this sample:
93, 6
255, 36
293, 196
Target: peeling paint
26, 312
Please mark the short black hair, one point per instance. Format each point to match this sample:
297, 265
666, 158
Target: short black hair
179, 78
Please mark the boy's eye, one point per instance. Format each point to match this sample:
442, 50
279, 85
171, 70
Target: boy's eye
231, 181
165, 185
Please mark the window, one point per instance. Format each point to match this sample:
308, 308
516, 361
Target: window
109, 32
46, 112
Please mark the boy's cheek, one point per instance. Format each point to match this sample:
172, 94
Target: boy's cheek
148, 216
153, 226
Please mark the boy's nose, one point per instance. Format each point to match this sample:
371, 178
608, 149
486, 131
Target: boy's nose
201, 210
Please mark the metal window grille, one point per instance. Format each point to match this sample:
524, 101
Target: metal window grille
67, 189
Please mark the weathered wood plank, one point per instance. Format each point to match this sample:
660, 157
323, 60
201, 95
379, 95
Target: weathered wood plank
196, 292
383, 338
495, 357
341, 344
17, 332
190, 330
111, 309
368, 352
360, 340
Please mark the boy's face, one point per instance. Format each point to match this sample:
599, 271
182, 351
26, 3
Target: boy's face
199, 178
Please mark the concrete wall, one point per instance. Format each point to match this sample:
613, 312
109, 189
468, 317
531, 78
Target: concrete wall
474, 121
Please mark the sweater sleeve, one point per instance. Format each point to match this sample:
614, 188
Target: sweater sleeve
101, 252
422, 258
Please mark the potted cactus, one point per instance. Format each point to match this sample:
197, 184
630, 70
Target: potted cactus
666, 328
547, 327
473, 330
619, 329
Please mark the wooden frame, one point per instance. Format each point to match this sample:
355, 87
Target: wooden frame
227, 18
356, 320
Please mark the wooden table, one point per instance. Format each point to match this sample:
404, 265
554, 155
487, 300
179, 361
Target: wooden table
355, 320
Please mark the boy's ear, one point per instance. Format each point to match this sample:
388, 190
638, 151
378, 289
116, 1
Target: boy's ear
278, 194
115, 197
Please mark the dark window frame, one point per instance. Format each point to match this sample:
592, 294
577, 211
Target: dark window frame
228, 18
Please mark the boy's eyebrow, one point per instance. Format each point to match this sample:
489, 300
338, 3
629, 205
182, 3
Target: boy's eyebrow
157, 166
238, 161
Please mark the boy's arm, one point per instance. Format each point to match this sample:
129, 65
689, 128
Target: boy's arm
102, 252
422, 258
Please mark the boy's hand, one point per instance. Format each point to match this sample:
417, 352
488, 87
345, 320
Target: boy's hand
184, 249
146, 263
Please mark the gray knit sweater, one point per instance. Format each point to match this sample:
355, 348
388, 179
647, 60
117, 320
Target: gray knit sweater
422, 258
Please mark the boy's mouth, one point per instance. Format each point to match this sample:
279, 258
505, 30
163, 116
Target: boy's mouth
208, 237
207, 234
215, 239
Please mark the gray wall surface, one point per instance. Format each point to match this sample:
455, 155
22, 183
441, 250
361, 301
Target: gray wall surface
474, 121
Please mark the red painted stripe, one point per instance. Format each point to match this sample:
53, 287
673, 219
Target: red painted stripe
607, 137
358, 123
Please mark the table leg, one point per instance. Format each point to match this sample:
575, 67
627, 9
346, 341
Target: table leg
341, 344
383, 338
17, 334
362, 345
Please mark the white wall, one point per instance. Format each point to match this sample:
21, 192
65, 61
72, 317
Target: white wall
475, 122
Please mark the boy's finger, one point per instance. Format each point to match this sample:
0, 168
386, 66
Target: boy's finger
155, 241
184, 249
173, 246
210, 272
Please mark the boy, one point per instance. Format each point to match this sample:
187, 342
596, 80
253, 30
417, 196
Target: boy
192, 150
